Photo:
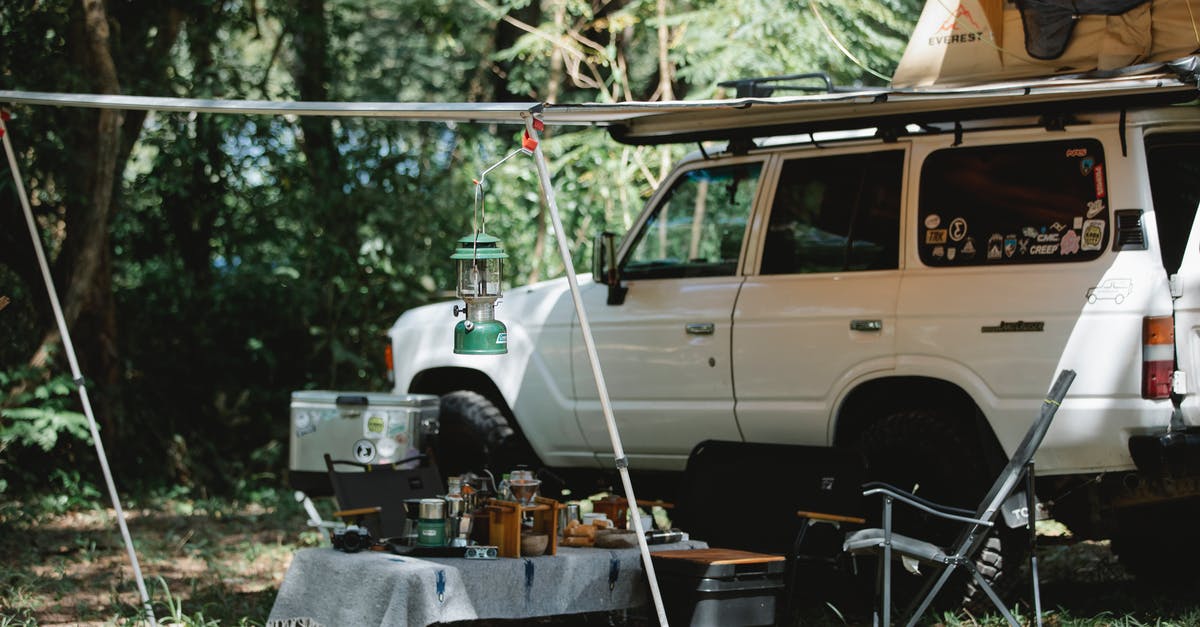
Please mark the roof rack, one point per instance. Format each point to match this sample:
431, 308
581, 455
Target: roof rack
759, 87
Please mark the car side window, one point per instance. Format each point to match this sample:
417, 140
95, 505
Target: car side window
698, 228
835, 214
1039, 202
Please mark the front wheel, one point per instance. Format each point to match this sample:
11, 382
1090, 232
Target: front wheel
936, 457
474, 435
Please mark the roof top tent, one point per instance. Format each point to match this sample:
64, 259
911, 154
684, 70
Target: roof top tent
963, 42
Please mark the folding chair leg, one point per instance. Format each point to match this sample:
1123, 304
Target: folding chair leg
991, 594
927, 594
1031, 523
887, 561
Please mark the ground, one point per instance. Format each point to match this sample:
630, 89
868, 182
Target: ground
223, 561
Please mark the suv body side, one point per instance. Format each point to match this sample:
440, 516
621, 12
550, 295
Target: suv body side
736, 348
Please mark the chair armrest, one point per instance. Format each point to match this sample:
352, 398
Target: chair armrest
941, 511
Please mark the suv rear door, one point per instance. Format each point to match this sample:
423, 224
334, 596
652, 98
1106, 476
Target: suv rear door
819, 309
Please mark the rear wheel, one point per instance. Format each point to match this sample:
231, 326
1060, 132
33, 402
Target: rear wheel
938, 458
474, 435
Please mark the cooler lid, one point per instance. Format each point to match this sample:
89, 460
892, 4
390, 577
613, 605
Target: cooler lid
363, 399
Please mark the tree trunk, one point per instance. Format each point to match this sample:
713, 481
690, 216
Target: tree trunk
88, 306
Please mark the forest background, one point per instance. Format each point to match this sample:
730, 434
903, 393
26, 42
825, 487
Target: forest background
211, 264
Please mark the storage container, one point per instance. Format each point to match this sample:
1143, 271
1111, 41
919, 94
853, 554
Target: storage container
365, 427
719, 587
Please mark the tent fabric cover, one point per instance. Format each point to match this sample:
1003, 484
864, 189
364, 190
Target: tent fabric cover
970, 42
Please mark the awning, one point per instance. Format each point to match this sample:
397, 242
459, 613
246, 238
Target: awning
701, 120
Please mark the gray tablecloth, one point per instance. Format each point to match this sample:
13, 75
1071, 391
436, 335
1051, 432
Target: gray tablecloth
332, 589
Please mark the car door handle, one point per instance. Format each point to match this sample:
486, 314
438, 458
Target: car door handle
700, 328
866, 325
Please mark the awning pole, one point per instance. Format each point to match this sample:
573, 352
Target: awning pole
69, 347
593, 358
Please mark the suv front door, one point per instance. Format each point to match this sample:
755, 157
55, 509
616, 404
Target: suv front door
665, 349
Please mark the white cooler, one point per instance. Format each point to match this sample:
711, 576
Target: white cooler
365, 427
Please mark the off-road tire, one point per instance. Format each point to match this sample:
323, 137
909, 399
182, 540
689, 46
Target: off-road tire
940, 458
473, 434
1153, 544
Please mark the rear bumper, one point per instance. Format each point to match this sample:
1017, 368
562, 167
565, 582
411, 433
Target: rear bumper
1170, 454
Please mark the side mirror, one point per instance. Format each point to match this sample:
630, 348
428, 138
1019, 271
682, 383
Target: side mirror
604, 266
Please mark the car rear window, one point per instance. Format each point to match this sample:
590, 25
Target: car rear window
1043, 202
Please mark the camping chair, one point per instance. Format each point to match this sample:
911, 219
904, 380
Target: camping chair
977, 524
382, 488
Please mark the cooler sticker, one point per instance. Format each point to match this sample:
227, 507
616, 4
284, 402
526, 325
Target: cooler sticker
1085, 165
995, 244
1029, 232
386, 448
935, 236
1058, 227
951, 253
1010, 245
968, 248
1078, 222
1070, 243
1095, 207
1093, 235
1116, 290
397, 424
374, 422
932, 221
958, 229
1099, 174
939, 251
364, 451
305, 423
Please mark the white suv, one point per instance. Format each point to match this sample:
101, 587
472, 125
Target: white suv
909, 291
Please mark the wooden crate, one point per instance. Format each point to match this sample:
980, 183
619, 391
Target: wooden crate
504, 524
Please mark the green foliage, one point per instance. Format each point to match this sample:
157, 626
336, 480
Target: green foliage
255, 255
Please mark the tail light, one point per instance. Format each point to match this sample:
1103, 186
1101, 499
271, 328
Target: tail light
387, 359
1158, 356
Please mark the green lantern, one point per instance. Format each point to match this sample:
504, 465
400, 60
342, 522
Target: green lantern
480, 263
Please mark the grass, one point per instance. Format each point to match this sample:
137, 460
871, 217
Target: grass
220, 562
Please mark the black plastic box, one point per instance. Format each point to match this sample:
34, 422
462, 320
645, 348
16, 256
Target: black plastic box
719, 587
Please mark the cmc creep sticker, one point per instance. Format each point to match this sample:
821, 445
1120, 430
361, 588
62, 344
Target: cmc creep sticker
1093, 235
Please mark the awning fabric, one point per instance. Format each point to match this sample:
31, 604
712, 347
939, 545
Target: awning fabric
701, 120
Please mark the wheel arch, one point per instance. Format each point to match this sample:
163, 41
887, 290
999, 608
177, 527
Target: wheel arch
875, 399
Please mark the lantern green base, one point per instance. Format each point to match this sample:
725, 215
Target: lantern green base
483, 338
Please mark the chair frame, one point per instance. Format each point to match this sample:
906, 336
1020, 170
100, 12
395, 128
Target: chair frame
979, 523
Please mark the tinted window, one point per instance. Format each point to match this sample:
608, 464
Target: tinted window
698, 228
1174, 162
1023, 203
833, 214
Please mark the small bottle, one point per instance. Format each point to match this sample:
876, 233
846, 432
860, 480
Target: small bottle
454, 486
502, 491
